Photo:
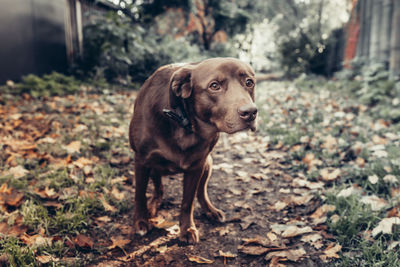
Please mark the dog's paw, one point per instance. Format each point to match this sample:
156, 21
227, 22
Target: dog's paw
142, 227
154, 206
216, 215
190, 235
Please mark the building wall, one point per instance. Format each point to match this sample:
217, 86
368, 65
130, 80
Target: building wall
32, 37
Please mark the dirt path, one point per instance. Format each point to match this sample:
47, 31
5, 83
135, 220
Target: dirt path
271, 209
263, 181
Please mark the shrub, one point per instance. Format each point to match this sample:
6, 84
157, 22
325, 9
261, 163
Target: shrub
47, 85
123, 52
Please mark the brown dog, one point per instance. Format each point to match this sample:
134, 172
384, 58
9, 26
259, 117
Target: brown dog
178, 115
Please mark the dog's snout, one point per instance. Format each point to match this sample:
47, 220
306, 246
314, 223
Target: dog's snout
248, 112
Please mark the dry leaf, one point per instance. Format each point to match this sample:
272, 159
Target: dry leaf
82, 162
389, 178
291, 254
373, 179
10, 196
328, 174
271, 236
294, 230
17, 172
83, 241
73, 147
352, 190
46, 192
46, 259
322, 211
331, 252
118, 241
386, 226
117, 194
107, 206
36, 240
198, 259
103, 219
301, 200
376, 202
278, 206
226, 254
253, 250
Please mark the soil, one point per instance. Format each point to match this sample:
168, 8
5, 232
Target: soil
248, 178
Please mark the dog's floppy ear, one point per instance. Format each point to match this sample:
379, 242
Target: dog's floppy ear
180, 83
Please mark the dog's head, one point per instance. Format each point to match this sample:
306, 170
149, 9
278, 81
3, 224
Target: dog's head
221, 91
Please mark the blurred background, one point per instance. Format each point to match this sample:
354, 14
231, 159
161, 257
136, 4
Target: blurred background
124, 41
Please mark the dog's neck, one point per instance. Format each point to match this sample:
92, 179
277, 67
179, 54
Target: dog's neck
185, 117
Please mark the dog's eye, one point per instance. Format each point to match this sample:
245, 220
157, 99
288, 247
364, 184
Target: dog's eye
214, 86
249, 83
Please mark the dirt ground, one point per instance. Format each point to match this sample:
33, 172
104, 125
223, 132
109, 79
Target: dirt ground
249, 178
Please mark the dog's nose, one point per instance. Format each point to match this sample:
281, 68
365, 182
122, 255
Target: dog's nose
248, 112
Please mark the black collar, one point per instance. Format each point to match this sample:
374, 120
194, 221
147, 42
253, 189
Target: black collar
180, 116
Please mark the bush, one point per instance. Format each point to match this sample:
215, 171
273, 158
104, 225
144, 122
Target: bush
123, 52
48, 85
371, 83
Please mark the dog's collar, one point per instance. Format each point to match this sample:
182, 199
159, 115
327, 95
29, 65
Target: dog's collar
180, 117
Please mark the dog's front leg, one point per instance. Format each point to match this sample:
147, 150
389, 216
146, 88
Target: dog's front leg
211, 211
141, 216
189, 232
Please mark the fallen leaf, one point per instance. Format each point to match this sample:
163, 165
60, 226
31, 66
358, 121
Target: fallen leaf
328, 174
331, 252
82, 162
103, 219
36, 240
352, 190
83, 241
385, 226
278, 206
322, 211
161, 223
373, 179
294, 230
271, 236
301, 200
376, 202
46, 192
330, 143
311, 238
393, 245
17, 172
46, 259
119, 242
389, 178
117, 194
253, 250
226, 254
198, 259
73, 147
291, 254
11, 197
107, 206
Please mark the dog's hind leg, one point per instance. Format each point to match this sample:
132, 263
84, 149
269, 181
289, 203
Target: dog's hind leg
141, 217
202, 195
156, 200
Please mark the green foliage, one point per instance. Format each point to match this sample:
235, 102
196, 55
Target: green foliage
16, 252
371, 84
47, 85
371, 254
354, 217
123, 52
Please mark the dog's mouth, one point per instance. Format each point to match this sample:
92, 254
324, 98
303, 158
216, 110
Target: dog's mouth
233, 127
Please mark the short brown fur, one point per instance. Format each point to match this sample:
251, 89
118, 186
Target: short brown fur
218, 96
